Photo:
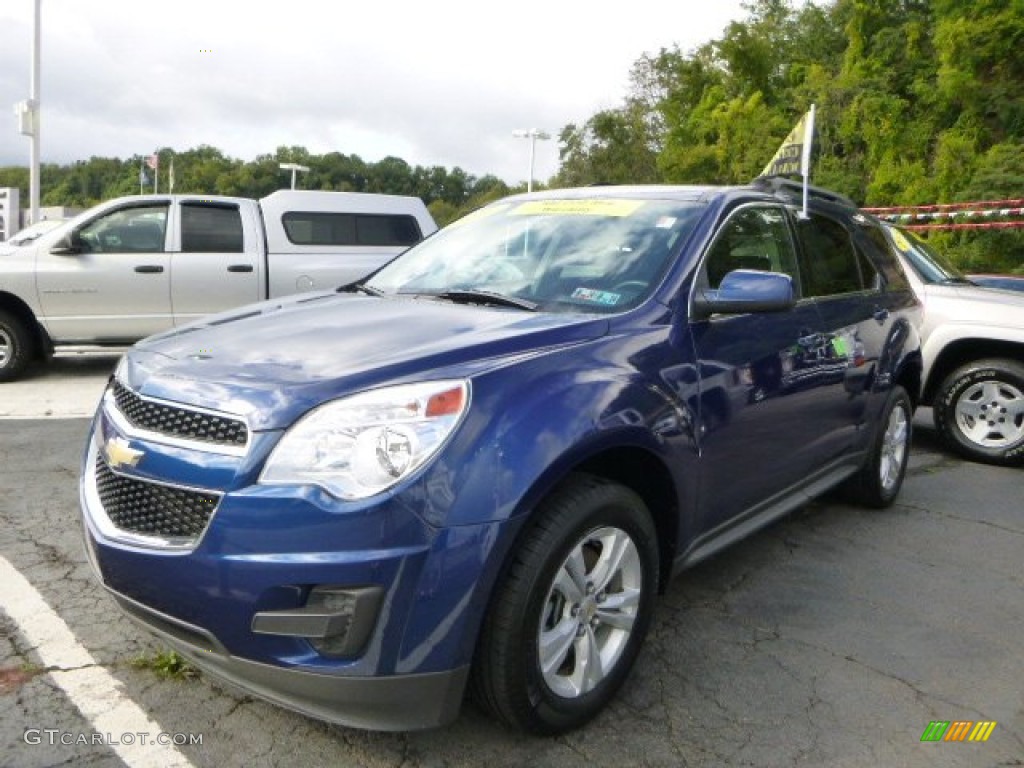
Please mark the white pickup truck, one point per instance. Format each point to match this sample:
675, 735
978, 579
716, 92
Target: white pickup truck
135, 266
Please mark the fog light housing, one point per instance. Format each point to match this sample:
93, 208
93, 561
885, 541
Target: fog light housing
336, 620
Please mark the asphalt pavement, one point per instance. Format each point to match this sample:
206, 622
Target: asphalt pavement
69, 385
832, 638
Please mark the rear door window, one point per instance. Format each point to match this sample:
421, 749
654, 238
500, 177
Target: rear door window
882, 254
831, 264
207, 228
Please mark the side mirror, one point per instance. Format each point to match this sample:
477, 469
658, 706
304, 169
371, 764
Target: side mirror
743, 291
68, 245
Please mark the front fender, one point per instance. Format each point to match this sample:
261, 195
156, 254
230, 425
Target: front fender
547, 426
949, 334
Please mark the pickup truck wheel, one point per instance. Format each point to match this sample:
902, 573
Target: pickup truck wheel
979, 411
16, 346
879, 481
567, 621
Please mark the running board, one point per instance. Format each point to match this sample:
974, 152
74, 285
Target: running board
767, 512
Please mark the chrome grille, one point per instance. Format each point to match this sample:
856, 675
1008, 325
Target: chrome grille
179, 422
148, 509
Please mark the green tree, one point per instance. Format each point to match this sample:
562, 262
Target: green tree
919, 101
612, 147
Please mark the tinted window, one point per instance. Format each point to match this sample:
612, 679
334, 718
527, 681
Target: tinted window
210, 228
830, 263
308, 228
126, 230
885, 259
753, 238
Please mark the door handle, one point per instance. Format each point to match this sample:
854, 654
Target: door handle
149, 269
881, 314
240, 268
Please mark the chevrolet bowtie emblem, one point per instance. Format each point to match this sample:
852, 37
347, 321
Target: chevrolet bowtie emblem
118, 453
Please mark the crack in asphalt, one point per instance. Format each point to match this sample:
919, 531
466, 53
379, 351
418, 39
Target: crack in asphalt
923, 697
968, 520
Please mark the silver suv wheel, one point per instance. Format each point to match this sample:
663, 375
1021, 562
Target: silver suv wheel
568, 618
589, 612
991, 414
979, 411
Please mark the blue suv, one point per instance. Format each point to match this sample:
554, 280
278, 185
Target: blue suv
474, 470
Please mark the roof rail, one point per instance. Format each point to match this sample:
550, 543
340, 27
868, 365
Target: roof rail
789, 188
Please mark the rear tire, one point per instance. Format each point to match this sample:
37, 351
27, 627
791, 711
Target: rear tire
879, 481
16, 346
568, 618
979, 411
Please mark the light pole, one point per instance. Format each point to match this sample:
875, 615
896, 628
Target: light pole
28, 119
293, 167
533, 134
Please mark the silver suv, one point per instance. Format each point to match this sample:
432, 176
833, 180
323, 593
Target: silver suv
972, 343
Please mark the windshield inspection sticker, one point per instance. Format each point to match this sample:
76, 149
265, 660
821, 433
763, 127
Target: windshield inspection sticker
620, 208
605, 298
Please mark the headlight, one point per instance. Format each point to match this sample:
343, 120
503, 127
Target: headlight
361, 445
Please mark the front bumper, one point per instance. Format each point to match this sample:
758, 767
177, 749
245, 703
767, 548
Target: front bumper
237, 600
392, 703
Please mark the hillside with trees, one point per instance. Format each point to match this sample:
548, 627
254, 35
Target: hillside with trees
918, 102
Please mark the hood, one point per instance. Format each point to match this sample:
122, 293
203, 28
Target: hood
975, 298
273, 361
990, 312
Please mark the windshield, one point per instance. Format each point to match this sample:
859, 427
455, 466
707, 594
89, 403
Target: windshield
591, 255
923, 259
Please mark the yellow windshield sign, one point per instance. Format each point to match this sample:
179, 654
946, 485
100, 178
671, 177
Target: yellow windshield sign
619, 208
901, 241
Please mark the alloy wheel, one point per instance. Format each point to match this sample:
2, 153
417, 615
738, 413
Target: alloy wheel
894, 448
589, 612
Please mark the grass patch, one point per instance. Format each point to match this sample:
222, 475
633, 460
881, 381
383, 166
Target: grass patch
167, 665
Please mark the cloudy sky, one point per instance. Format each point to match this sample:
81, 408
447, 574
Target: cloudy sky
434, 83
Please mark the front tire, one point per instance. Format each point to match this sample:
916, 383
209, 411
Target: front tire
16, 346
979, 411
879, 481
569, 616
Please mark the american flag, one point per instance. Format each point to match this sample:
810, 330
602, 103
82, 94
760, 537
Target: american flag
153, 161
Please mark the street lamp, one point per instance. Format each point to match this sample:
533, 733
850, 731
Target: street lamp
533, 134
293, 167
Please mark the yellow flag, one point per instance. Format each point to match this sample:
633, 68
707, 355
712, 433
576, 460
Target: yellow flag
794, 156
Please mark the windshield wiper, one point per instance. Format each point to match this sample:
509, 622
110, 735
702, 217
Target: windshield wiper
359, 286
486, 298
